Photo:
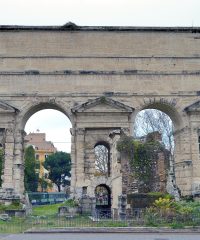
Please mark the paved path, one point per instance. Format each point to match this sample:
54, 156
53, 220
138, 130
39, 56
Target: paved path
101, 236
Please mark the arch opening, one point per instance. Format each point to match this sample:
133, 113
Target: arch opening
31, 110
155, 126
102, 159
103, 201
154, 120
48, 132
167, 109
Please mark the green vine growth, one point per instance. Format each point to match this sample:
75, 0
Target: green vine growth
142, 157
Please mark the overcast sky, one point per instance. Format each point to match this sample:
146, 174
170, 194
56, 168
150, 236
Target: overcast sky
101, 12
56, 126
92, 13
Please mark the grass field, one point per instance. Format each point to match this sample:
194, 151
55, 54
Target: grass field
46, 210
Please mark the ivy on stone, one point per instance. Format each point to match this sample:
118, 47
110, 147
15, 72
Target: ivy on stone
142, 157
125, 145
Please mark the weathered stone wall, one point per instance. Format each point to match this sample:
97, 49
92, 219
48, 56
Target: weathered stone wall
64, 67
98, 121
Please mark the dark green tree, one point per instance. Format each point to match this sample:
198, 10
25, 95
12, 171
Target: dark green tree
44, 184
59, 166
1, 164
31, 177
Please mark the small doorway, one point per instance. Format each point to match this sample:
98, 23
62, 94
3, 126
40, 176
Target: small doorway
103, 201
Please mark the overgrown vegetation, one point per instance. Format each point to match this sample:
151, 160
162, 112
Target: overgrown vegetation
160, 194
168, 212
70, 203
15, 205
142, 157
125, 145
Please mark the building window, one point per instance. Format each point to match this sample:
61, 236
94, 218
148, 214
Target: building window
37, 156
102, 161
46, 155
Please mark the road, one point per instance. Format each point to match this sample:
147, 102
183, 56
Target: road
100, 236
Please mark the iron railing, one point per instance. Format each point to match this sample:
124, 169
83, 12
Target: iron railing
101, 219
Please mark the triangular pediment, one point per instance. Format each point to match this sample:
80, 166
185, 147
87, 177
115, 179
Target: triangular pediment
195, 107
5, 107
102, 104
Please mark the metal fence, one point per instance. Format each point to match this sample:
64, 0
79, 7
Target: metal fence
17, 225
42, 198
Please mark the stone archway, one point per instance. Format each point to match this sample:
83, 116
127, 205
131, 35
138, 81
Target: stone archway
176, 162
16, 181
103, 201
100, 79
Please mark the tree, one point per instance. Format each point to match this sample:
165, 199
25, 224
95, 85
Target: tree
102, 159
152, 120
31, 177
44, 183
59, 166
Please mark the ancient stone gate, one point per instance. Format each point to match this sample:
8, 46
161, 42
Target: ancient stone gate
100, 77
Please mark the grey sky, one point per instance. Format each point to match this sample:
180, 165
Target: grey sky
56, 126
91, 13
101, 12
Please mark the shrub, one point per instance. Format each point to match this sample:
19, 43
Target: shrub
160, 194
178, 214
71, 203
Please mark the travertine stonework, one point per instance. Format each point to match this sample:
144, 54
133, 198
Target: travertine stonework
100, 77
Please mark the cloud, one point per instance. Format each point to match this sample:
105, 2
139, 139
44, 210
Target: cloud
56, 126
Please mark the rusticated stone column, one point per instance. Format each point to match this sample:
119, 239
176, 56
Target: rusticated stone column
183, 161
73, 162
18, 165
78, 164
9, 158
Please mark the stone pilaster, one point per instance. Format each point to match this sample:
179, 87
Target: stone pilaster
73, 162
78, 167
9, 158
18, 167
183, 161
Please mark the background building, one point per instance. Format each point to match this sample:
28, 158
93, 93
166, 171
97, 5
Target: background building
43, 149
